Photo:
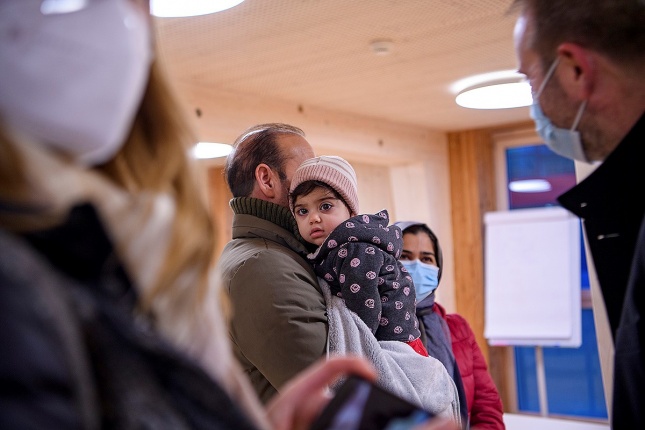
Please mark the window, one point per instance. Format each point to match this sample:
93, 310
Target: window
573, 376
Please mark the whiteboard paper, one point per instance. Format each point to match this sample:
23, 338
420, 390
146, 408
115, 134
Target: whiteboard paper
532, 266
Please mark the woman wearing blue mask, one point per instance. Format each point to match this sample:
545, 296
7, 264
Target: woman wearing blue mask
448, 337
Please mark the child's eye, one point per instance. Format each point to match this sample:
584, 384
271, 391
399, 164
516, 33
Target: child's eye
301, 211
326, 206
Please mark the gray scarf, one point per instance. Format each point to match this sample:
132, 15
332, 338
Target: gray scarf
435, 335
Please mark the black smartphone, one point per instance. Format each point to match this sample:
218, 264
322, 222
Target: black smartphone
361, 405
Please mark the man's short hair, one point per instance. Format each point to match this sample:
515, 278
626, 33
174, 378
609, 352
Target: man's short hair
257, 145
615, 28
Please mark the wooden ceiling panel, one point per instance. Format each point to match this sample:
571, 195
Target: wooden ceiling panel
317, 53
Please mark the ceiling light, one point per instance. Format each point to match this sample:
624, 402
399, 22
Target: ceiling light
175, 8
530, 186
484, 78
496, 90
51, 7
498, 96
205, 150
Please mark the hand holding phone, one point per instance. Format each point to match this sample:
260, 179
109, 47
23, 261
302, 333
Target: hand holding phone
361, 405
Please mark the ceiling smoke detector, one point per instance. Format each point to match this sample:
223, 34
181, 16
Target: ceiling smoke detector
381, 46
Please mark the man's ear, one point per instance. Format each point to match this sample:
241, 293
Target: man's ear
577, 71
265, 180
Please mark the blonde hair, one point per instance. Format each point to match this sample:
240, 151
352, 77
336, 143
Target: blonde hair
13, 186
153, 159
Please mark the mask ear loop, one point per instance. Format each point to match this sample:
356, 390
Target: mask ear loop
579, 115
548, 75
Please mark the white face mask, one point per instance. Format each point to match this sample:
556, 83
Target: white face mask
75, 80
566, 143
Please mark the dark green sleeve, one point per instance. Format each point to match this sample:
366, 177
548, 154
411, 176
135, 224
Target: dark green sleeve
279, 323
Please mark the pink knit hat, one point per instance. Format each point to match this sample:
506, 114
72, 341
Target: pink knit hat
333, 171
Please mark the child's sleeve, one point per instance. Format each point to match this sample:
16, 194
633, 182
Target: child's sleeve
358, 266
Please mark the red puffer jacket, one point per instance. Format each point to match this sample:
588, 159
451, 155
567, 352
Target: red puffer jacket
484, 404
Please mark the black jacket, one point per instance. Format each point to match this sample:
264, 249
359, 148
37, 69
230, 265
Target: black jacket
73, 355
611, 201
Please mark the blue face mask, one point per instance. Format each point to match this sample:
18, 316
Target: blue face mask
566, 143
425, 277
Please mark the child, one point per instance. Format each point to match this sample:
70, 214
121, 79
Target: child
357, 254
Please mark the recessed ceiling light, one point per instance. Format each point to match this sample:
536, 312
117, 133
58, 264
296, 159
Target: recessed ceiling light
495, 90
497, 96
485, 78
204, 150
52, 7
179, 8
530, 186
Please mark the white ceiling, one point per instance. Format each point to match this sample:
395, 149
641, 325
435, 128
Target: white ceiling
317, 53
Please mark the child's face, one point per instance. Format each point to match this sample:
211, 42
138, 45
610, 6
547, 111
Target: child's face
318, 214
